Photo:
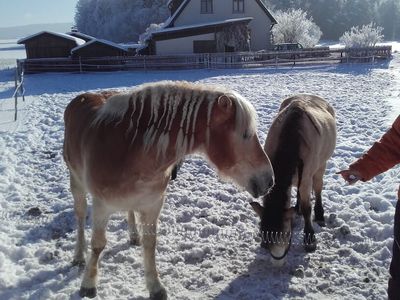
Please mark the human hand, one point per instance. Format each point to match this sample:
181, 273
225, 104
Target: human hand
351, 176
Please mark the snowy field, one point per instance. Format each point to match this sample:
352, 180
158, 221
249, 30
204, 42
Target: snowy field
208, 246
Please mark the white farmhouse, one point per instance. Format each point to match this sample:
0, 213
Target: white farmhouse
208, 26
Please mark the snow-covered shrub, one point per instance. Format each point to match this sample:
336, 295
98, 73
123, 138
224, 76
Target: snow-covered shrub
364, 36
152, 27
294, 26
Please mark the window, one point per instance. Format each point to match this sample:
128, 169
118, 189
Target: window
206, 6
204, 46
238, 6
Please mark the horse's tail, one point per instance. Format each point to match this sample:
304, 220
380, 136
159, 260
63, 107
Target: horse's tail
287, 155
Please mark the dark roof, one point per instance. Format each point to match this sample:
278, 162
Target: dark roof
171, 20
78, 41
81, 35
103, 42
197, 29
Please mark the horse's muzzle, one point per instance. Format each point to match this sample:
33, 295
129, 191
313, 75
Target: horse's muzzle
260, 185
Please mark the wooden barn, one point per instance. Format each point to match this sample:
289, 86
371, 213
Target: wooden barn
100, 48
47, 44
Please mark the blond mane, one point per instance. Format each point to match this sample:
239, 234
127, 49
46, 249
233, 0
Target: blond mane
166, 98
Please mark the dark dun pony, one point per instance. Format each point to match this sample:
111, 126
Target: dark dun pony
301, 139
122, 148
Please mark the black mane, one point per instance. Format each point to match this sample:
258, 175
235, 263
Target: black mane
285, 161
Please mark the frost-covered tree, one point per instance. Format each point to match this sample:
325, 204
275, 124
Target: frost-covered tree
119, 20
294, 26
334, 17
364, 36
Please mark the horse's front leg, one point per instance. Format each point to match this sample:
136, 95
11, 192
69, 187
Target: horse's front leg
134, 238
149, 219
98, 242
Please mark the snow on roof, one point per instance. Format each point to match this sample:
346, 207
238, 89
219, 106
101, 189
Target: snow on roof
200, 25
130, 45
171, 19
63, 35
83, 35
109, 43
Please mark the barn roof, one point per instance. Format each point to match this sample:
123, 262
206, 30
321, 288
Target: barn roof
173, 32
100, 41
81, 35
171, 20
62, 35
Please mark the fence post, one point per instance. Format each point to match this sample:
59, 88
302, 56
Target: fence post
16, 96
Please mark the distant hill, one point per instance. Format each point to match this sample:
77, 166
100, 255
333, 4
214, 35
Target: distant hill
23, 31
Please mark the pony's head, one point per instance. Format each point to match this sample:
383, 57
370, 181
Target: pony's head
232, 144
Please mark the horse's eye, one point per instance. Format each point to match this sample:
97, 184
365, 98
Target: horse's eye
246, 135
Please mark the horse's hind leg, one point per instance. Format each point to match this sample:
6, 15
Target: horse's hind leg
134, 238
80, 206
317, 187
98, 242
149, 219
310, 243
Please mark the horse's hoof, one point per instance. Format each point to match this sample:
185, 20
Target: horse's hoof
160, 295
321, 223
310, 243
78, 263
134, 241
87, 292
310, 247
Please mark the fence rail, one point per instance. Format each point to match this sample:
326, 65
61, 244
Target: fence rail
207, 61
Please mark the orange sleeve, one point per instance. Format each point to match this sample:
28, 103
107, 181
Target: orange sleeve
382, 156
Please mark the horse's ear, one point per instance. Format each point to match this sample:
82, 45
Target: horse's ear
257, 208
225, 108
224, 102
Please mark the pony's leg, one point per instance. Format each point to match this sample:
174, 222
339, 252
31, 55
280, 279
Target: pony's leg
148, 221
98, 242
318, 183
305, 206
80, 206
297, 207
134, 238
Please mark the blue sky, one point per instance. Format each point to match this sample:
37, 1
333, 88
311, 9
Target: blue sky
24, 12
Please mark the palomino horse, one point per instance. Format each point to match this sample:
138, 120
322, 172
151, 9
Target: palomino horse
301, 139
122, 149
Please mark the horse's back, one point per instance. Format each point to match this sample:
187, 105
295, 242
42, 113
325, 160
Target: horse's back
317, 127
309, 102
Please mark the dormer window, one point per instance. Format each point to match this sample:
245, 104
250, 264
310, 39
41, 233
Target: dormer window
206, 6
238, 6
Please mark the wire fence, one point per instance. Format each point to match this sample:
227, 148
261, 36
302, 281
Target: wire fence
194, 61
208, 60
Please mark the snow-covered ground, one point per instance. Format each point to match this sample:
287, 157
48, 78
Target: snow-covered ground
208, 246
